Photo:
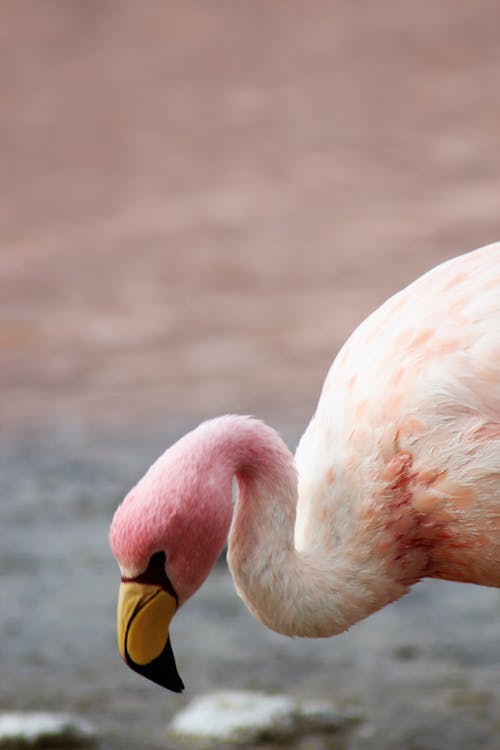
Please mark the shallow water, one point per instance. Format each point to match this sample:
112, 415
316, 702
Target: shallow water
424, 673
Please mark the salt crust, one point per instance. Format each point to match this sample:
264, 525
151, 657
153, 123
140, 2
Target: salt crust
27, 729
240, 717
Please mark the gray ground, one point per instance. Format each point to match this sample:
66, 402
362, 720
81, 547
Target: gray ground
424, 673
199, 203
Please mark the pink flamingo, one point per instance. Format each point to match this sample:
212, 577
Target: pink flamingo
396, 478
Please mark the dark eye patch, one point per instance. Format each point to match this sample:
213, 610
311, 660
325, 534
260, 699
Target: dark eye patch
155, 574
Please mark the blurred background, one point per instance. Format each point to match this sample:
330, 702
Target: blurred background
199, 202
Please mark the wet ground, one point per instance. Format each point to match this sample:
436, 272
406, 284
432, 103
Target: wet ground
199, 203
423, 673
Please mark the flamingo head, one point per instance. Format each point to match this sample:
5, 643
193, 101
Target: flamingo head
166, 536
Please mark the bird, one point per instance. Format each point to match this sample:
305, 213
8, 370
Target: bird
396, 478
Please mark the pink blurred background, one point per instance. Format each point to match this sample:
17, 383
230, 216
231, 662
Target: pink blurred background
201, 200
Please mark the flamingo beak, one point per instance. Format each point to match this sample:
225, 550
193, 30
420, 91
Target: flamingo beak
143, 618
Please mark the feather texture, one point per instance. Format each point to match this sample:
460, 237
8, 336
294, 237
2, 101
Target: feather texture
397, 476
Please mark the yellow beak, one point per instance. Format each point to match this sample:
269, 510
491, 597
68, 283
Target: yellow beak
143, 618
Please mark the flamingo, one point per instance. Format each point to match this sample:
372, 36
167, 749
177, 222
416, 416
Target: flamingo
396, 478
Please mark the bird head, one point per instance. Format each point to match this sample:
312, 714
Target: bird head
166, 536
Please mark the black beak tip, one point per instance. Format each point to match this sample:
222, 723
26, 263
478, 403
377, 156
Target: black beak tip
162, 670
176, 686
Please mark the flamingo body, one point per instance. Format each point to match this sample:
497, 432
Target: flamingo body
409, 418
397, 476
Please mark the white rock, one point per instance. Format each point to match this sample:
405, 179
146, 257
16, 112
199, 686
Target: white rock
26, 729
229, 716
241, 717
323, 716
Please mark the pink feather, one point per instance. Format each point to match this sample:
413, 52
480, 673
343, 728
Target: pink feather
397, 476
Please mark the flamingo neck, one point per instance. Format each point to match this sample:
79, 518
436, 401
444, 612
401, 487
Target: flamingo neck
316, 593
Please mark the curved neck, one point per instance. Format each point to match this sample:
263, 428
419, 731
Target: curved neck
316, 593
